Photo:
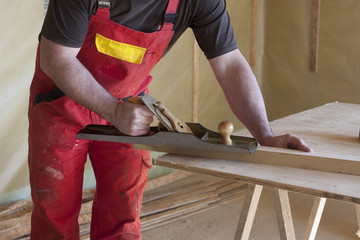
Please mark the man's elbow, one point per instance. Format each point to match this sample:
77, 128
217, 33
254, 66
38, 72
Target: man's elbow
44, 65
55, 57
46, 58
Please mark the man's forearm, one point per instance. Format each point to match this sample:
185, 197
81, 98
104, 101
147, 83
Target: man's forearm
244, 96
243, 93
74, 79
62, 66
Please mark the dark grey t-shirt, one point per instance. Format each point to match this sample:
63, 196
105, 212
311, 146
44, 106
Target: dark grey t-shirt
66, 21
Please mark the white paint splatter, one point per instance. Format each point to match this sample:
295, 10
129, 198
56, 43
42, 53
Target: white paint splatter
54, 173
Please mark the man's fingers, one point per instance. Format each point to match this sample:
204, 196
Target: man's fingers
145, 111
304, 147
287, 141
298, 143
133, 119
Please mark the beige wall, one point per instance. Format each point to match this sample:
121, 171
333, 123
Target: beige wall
20, 23
288, 84
282, 68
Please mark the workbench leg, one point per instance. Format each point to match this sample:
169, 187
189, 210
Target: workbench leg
357, 207
248, 212
314, 219
283, 214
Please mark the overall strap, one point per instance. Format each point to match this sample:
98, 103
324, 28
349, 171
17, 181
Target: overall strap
170, 15
104, 8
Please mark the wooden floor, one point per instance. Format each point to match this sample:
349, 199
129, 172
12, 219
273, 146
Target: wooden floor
203, 208
162, 204
337, 223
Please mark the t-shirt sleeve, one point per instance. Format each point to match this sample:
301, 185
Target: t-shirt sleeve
66, 22
212, 28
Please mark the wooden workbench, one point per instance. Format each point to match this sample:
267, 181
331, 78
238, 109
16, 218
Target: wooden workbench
331, 171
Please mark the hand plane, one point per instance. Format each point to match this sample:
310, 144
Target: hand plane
175, 136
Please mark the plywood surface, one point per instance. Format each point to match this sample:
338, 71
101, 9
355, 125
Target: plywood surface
331, 130
318, 183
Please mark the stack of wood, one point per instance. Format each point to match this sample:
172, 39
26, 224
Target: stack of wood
161, 205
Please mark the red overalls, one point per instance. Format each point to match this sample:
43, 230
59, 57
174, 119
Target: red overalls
57, 158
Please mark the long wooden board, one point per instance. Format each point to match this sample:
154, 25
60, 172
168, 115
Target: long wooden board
331, 130
317, 183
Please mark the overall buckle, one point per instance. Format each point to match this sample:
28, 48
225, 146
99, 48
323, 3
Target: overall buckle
170, 18
104, 3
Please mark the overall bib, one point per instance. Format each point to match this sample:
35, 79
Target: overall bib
120, 59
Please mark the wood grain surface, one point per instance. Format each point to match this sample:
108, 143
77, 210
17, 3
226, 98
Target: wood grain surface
331, 171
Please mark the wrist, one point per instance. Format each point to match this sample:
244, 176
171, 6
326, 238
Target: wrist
264, 139
110, 109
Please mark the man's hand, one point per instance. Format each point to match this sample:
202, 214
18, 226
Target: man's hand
286, 141
132, 119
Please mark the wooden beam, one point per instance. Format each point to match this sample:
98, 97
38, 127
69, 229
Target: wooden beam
318, 183
329, 130
296, 159
196, 82
314, 218
193, 198
283, 215
160, 181
248, 212
357, 208
253, 32
315, 26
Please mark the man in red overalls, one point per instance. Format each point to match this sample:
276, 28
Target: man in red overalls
87, 79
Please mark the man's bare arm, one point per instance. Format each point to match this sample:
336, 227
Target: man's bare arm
245, 99
62, 66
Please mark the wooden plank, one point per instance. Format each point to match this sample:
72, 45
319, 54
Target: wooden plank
186, 197
190, 201
174, 202
283, 215
84, 230
16, 209
331, 131
315, 26
15, 227
318, 183
314, 218
253, 32
196, 82
328, 162
248, 212
229, 187
190, 212
173, 212
163, 180
357, 208
88, 195
150, 196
